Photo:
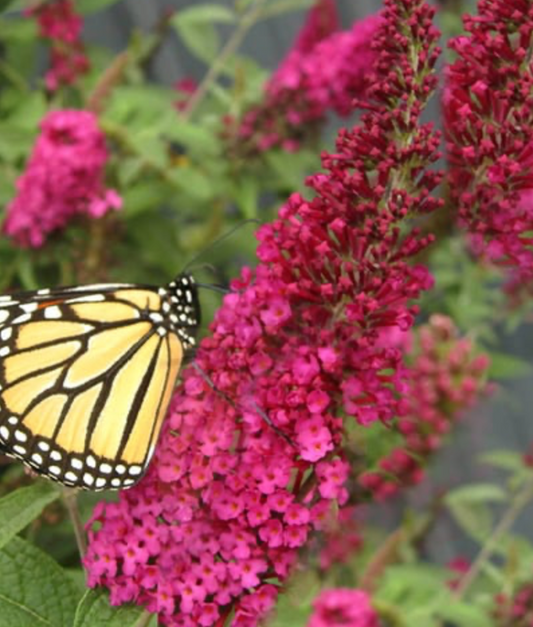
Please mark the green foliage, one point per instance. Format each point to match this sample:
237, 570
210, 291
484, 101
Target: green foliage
86, 7
196, 26
20, 508
34, 590
469, 506
94, 611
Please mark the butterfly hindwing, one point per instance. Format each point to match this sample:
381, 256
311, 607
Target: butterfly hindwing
86, 376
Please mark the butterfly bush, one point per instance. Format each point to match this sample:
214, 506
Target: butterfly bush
343, 607
59, 23
64, 178
323, 72
251, 463
488, 110
446, 376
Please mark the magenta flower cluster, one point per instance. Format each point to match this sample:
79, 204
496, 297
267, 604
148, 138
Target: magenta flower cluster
59, 23
64, 178
446, 376
515, 610
324, 71
488, 109
343, 607
251, 462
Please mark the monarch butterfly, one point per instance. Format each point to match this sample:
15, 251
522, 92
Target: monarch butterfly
86, 376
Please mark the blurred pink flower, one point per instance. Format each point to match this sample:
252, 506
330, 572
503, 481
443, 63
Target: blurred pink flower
64, 178
343, 607
487, 108
325, 70
446, 376
59, 23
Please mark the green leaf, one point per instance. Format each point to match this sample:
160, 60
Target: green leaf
26, 273
205, 13
7, 4
86, 7
196, 139
246, 194
464, 615
503, 366
29, 112
15, 141
34, 590
506, 460
195, 26
194, 183
469, 506
94, 611
17, 30
280, 7
144, 196
19, 508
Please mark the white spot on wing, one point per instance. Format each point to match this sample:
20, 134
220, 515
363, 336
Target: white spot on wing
70, 476
29, 307
6, 333
4, 351
38, 459
88, 479
4, 432
4, 315
52, 313
106, 468
20, 436
23, 318
100, 482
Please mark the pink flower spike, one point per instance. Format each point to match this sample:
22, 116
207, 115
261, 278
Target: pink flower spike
64, 178
298, 324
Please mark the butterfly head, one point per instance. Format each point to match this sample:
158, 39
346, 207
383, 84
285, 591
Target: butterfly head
184, 308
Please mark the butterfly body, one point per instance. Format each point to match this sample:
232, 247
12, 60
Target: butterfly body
86, 377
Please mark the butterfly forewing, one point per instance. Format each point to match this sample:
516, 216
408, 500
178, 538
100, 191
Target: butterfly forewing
86, 377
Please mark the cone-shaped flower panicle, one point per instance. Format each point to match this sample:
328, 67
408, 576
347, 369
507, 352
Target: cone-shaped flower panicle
488, 109
323, 72
61, 25
247, 472
63, 178
446, 377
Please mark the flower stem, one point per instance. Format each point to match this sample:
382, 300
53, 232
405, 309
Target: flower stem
248, 19
517, 505
69, 498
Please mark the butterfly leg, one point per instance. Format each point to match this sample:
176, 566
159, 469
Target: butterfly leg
256, 407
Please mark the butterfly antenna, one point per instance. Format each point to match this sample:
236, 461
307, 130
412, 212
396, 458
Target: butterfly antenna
213, 288
219, 240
